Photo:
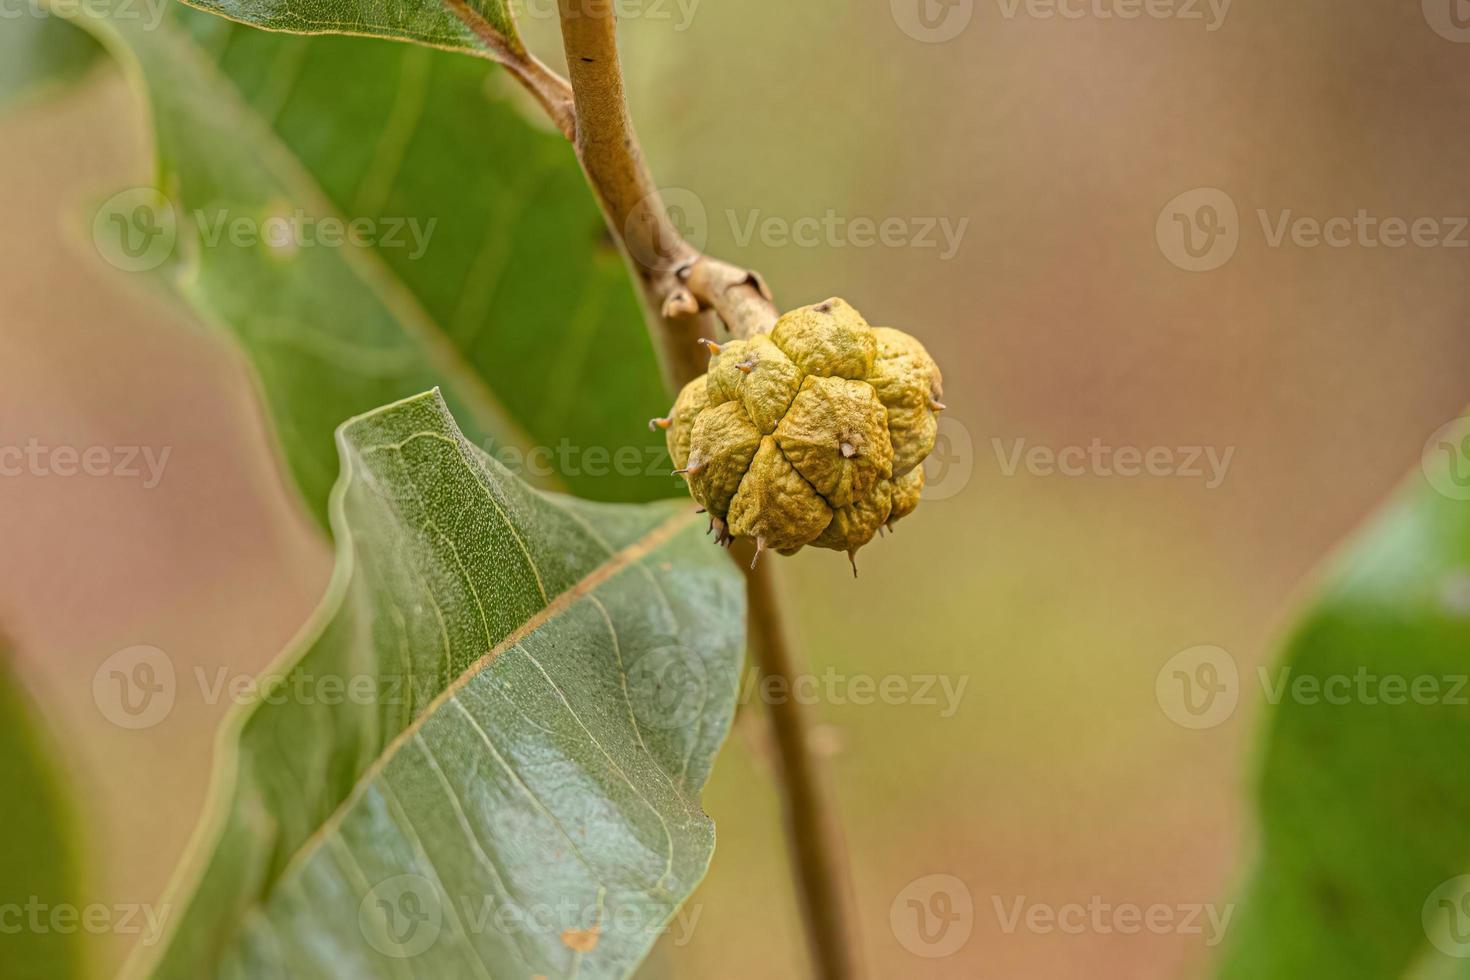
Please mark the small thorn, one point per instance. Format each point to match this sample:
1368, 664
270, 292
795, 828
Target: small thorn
700, 510
722, 532
848, 450
714, 348
852, 559
936, 405
882, 529
680, 302
694, 470
760, 548
660, 423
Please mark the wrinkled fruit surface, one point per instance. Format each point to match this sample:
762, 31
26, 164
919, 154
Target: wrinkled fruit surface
811, 434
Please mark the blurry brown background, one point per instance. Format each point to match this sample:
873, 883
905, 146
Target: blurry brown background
1060, 320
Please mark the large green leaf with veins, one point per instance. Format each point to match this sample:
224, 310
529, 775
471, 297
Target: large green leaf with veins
1364, 803
487, 270
39, 54
468, 25
483, 757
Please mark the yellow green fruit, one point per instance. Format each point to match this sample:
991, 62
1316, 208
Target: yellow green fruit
811, 434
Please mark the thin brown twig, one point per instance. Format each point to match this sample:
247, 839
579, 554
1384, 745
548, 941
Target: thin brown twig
686, 294
550, 90
814, 836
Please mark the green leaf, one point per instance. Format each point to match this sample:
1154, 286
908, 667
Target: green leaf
1364, 804
464, 25
489, 273
37, 859
483, 758
39, 53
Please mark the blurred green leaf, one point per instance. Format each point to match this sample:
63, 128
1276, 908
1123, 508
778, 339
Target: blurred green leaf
1364, 804
480, 263
37, 860
450, 24
39, 53
484, 756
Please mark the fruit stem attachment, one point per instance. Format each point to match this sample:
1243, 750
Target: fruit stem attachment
687, 296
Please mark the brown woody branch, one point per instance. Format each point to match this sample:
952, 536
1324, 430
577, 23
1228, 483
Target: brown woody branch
687, 294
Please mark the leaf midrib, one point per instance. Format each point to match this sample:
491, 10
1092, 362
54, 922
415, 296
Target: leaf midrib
397, 297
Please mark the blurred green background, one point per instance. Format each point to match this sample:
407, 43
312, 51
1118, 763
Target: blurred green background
1059, 320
